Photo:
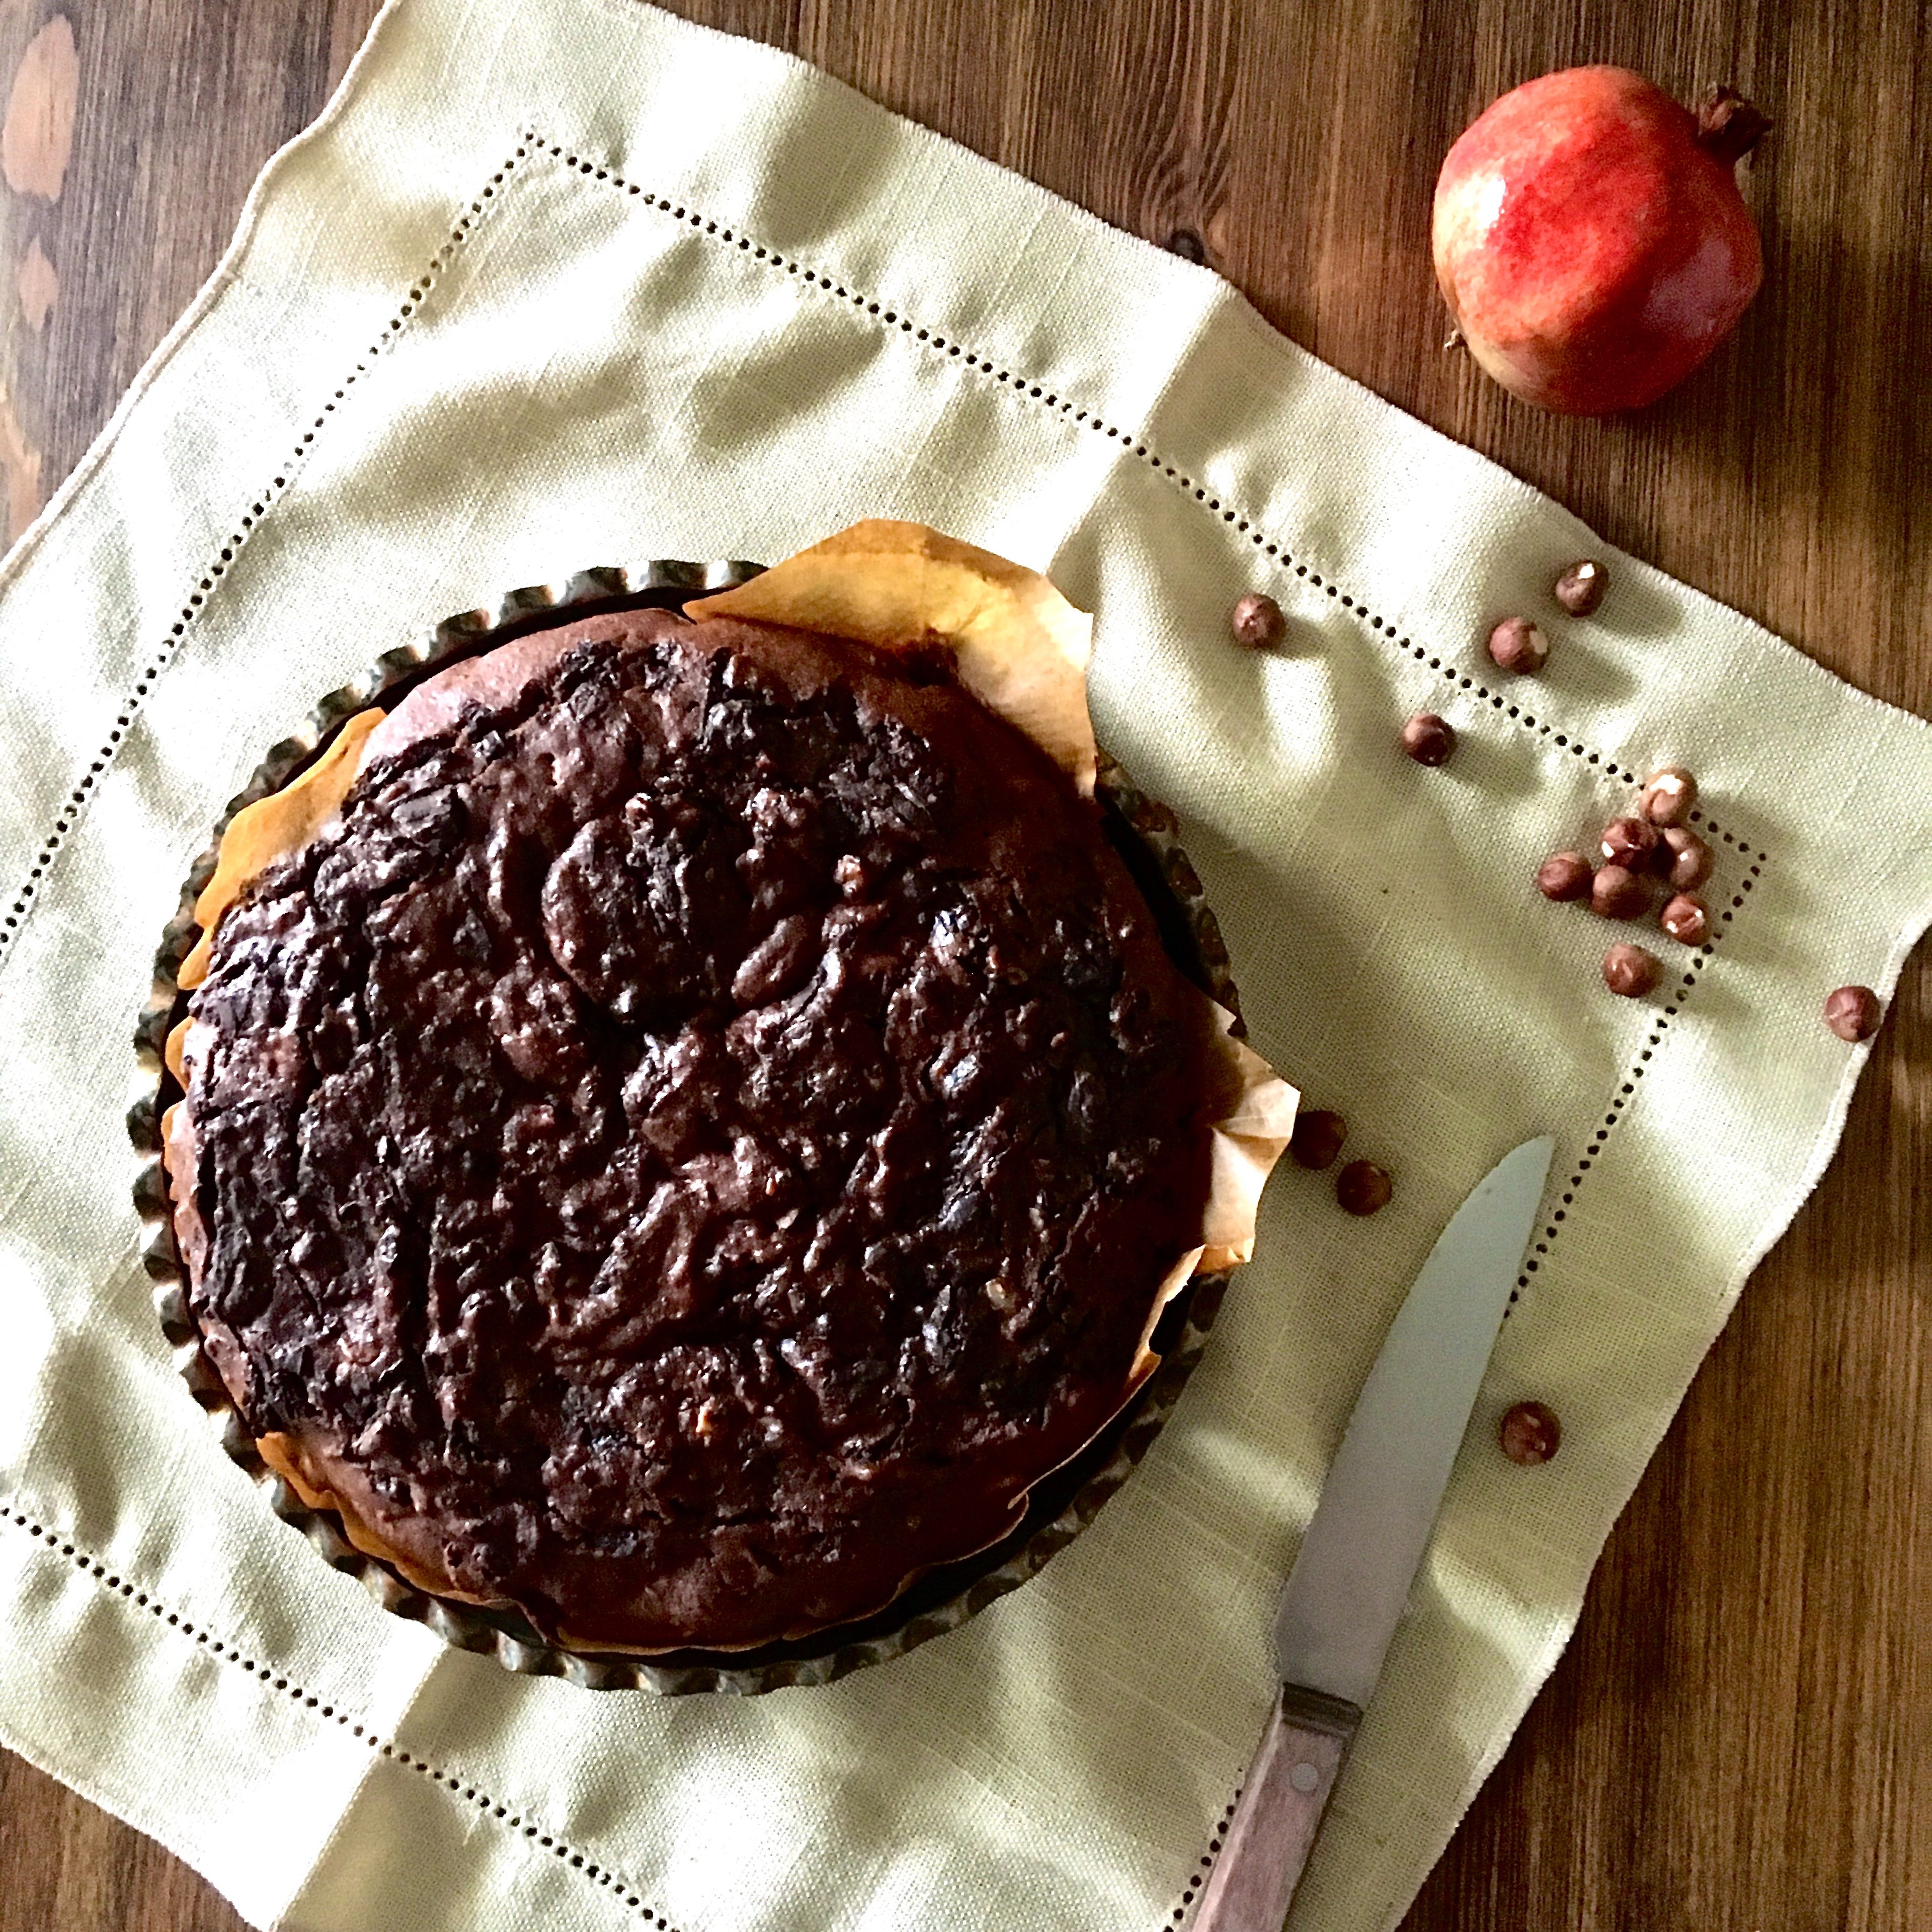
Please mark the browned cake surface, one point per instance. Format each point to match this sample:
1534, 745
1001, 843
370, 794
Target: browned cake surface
697, 1137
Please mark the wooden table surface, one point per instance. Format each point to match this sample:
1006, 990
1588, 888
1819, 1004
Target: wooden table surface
1740, 1737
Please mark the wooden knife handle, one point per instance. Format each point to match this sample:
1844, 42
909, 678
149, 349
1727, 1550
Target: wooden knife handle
1306, 1737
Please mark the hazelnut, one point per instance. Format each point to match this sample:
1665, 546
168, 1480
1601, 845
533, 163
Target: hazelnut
1685, 919
1580, 588
1631, 843
1853, 1013
1564, 875
1667, 795
1530, 1433
1258, 622
1317, 1138
1684, 858
1630, 972
1518, 645
1428, 739
1363, 1188
1617, 892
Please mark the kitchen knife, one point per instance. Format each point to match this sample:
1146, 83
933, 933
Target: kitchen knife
1345, 1594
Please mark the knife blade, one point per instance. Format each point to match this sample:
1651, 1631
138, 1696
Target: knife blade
1351, 1578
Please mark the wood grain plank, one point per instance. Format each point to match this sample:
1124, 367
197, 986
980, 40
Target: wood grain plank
1739, 1739
67, 1866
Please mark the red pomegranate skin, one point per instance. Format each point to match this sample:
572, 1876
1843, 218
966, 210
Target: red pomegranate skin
1593, 253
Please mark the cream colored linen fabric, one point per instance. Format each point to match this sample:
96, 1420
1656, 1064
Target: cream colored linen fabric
561, 282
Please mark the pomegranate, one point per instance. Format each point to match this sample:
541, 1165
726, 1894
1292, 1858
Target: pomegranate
1590, 237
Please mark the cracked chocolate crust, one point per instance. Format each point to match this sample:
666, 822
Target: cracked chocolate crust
696, 1139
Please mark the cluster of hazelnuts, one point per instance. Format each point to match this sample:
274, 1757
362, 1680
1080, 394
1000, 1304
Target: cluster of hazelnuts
1650, 845
1653, 845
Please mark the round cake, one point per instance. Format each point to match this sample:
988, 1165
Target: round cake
704, 1127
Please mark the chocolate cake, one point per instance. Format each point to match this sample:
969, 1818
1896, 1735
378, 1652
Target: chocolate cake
701, 1130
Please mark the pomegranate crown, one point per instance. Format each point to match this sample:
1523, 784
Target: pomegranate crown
1728, 125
